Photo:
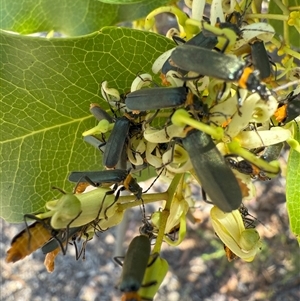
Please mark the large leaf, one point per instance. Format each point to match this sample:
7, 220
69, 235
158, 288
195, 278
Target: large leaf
70, 17
46, 88
121, 1
278, 25
292, 188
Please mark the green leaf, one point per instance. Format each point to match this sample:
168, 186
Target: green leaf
121, 1
278, 25
69, 17
46, 88
292, 188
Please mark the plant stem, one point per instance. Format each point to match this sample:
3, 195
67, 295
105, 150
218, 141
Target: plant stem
269, 16
286, 49
130, 201
282, 6
166, 212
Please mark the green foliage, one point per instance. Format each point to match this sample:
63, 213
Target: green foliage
47, 86
292, 188
70, 17
290, 34
121, 1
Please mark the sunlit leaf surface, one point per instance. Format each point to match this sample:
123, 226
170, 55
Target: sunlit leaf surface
46, 88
